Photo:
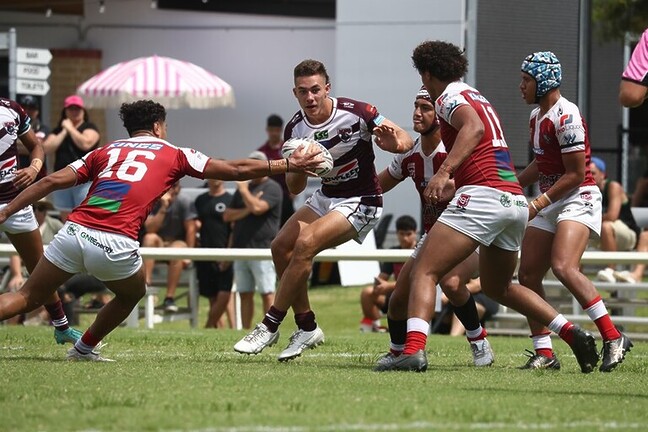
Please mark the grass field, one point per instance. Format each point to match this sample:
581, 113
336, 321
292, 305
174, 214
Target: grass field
175, 378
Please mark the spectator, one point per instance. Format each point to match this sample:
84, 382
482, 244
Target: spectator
448, 322
272, 149
374, 299
636, 274
214, 277
619, 231
72, 139
256, 212
170, 224
634, 81
32, 107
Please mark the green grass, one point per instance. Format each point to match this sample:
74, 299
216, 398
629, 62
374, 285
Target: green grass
175, 378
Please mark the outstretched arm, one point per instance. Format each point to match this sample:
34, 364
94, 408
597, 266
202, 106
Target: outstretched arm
392, 138
61, 179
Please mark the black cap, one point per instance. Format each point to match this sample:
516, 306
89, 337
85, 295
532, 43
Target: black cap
275, 121
29, 101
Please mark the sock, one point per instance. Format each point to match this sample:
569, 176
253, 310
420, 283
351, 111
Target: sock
397, 335
416, 338
376, 323
273, 318
306, 321
478, 334
87, 343
542, 344
598, 313
59, 320
468, 315
366, 324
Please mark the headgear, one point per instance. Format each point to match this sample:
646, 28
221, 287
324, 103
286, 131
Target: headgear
423, 94
545, 68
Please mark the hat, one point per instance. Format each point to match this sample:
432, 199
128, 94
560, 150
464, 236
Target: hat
73, 100
259, 155
545, 68
29, 101
44, 202
423, 94
599, 163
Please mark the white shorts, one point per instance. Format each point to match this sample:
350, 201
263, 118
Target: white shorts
362, 217
582, 205
251, 276
488, 215
107, 256
22, 221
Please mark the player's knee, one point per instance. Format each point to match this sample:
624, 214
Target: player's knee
151, 240
305, 247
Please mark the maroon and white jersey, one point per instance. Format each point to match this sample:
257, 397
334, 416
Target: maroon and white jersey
561, 130
14, 122
128, 176
347, 135
489, 164
420, 168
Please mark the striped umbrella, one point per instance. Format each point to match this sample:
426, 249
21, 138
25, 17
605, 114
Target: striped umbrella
173, 83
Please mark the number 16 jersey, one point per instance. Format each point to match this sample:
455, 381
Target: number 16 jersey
128, 176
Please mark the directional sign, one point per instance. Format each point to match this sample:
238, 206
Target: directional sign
32, 87
33, 56
30, 71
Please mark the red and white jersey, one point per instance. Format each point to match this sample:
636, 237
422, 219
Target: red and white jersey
347, 135
128, 176
561, 130
490, 162
420, 168
14, 122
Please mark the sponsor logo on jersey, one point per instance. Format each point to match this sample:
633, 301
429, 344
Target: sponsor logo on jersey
93, 241
72, 229
463, 200
411, 169
587, 196
8, 169
109, 195
321, 135
569, 138
347, 105
346, 172
538, 150
136, 145
345, 134
478, 97
10, 128
546, 181
566, 119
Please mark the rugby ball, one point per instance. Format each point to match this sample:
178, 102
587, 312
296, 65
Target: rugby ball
310, 145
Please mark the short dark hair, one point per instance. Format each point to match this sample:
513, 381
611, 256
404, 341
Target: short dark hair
141, 115
405, 223
309, 68
29, 101
442, 60
274, 121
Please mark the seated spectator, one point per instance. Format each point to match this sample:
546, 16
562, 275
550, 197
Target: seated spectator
374, 299
214, 277
636, 274
256, 213
619, 231
448, 323
170, 224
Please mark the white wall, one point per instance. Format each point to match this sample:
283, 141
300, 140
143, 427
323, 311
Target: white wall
374, 44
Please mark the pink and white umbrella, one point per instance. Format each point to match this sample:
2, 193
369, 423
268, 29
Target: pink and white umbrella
173, 83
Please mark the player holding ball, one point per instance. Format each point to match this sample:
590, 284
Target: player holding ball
346, 207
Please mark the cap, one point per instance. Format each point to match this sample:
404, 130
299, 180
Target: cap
599, 163
423, 94
259, 155
274, 121
73, 100
545, 68
29, 101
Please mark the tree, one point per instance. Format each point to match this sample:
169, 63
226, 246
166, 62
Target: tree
614, 18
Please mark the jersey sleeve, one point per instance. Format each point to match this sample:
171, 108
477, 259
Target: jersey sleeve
370, 115
446, 105
637, 69
395, 168
82, 167
193, 162
24, 121
570, 131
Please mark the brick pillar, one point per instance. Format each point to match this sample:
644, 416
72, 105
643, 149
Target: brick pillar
70, 68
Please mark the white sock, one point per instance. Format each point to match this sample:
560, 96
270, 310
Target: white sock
542, 341
557, 324
473, 334
419, 325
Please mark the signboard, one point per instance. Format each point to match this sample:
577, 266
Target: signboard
32, 71
33, 56
32, 87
